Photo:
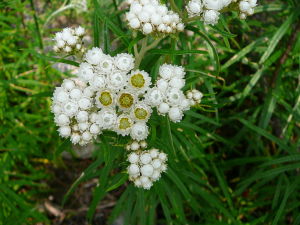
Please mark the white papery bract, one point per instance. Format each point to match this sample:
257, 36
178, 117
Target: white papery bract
209, 10
153, 17
146, 167
69, 40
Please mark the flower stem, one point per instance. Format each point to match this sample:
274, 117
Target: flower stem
144, 49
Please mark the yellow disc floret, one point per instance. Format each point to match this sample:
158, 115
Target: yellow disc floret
105, 98
140, 113
126, 100
124, 123
137, 80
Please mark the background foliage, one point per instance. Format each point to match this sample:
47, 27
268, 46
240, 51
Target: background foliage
234, 160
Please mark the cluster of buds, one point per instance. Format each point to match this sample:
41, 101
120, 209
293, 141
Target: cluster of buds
69, 40
145, 166
167, 95
209, 10
150, 16
247, 8
194, 96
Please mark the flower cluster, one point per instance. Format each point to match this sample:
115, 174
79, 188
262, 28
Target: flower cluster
111, 92
145, 166
209, 10
69, 40
247, 8
151, 16
194, 96
167, 95
72, 105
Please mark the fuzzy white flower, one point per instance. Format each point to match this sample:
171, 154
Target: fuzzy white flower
85, 72
211, 17
146, 167
124, 62
139, 131
124, 124
139, 81
107, 118
94, 56
194, 7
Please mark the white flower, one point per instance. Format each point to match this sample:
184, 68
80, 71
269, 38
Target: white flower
154, 97
136, 8
98, 82
133, 158
139, 81
134, 146
194, 7
174, 96
79, 31
162, 85
211, 17
86, 136
64, 131
139, 131
62, 120
147, 28
163, 108
213, 4
76, 94
147, 170
83, 126
166, 71
95, 129
94, 56
105, 98
56, 108
107, 118
125, 100
177, 82
85, 72
60, 95
145, 158
68, 84
175, 114
146, 167
106, 64
124, 124
117, 80
70, 108
84, 103
82, 116
124, 62
244, 6
141, 112
134, 23
75, 138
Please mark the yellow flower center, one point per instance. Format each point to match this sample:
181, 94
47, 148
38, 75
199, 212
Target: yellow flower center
140, 113
124, 123
126, 100
137, 80
105, 98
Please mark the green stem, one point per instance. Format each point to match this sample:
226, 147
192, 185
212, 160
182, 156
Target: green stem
191, 19
139, 56
175, 8
37, 26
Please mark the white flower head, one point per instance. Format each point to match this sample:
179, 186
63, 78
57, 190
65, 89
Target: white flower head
194, 8
211, 17
139, 131
154, 97
141, 112
107, 118
126, 99
85, 72
106, 64
94, 56
124, 62
124, 124
105, 98
117, 80
139, 81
